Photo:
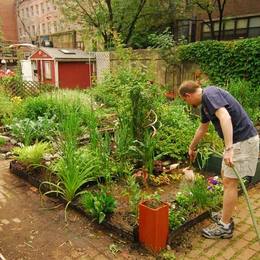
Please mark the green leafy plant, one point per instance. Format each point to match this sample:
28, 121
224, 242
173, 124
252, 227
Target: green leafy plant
123, 138
248, 96
32, 155
168, 48
34, 107
28, 131
176, 131
146, 150
134, 194
98, 204
6, 105
199, 195
2, 141
73, 171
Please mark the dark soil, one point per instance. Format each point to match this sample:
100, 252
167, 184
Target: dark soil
153, 204
7, 147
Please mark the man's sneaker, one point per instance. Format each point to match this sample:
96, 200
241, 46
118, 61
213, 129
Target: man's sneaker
216, 216
217, 231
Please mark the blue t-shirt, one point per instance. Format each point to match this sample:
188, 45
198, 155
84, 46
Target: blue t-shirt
214, 98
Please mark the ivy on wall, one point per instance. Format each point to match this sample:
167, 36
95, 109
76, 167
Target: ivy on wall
225, 60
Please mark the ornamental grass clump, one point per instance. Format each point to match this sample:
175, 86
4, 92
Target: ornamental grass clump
32, 155
72, 170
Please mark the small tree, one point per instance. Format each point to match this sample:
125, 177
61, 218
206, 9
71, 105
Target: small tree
210, 6
18, 5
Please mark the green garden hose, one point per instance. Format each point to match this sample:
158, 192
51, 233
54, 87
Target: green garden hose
247, 199
248, 203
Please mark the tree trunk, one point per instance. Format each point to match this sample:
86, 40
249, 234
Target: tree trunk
212, 32
221, 13
132, 25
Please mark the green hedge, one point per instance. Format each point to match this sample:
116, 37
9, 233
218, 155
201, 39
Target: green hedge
223, 60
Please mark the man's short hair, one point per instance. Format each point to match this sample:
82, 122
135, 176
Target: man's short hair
188, 86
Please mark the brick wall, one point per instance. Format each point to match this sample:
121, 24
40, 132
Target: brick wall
8, 20
237, 8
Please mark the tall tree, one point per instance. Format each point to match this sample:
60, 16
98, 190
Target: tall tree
210, 6
156, 16
106, 16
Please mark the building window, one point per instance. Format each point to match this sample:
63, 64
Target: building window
229, 29
49, 27
22, 13
42, 8
235, 28
241, 28
32, 10
43, 29
27, 12
47, 69
254, 27
38, 29
37, 9
48, 5
33, 30
55, 26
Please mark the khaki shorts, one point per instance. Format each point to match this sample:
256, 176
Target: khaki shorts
245, 158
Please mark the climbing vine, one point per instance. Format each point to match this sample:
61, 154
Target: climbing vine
225, 60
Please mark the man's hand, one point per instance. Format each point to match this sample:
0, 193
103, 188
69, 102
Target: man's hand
228, 158
192, 154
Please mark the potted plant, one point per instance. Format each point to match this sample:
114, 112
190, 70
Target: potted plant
153, 224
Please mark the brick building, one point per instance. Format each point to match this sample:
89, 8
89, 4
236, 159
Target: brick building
8, 24
241, 20
40, 21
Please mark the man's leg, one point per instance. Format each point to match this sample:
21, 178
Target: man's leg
224, 227
229, 198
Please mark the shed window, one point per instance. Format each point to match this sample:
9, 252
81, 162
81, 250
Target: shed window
47, 69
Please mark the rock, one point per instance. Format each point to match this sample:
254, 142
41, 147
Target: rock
13, 141
9, 155
166, 163
174, 166
47, 157
188, 174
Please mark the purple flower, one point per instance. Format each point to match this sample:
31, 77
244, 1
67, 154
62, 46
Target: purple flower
212, 181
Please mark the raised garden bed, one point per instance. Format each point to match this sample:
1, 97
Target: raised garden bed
118, 222
121, 222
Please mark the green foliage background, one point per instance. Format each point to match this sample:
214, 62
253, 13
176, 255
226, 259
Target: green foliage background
225, 60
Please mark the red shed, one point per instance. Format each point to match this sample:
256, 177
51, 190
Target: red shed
64, 68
